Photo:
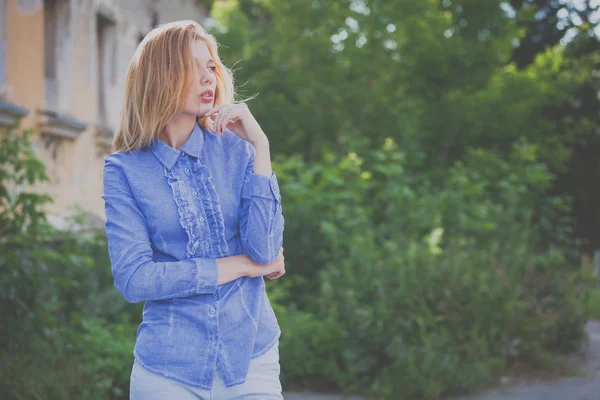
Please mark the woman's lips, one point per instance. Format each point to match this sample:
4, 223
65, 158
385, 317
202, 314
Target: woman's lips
207, 96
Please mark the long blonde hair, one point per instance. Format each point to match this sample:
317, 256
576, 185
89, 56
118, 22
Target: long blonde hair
157, 82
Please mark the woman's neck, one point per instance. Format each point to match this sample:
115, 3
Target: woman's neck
178, 130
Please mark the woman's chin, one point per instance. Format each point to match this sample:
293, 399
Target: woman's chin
204, 109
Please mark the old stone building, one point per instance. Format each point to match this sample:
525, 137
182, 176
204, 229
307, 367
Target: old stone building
62, 70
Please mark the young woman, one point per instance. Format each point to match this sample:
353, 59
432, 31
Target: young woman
194, 223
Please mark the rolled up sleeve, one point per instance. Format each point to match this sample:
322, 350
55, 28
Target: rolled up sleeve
261, 216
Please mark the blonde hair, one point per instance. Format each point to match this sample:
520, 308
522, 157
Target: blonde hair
157, 82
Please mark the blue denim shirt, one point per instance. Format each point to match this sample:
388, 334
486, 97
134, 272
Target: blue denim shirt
170, 214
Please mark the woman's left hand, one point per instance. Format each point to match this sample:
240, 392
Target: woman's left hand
238, 119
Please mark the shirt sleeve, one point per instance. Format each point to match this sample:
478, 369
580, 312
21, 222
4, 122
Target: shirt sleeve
261, 216
136, 275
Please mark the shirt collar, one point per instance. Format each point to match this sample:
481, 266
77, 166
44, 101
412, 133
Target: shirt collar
168, 156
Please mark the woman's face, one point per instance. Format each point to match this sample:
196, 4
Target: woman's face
201, 95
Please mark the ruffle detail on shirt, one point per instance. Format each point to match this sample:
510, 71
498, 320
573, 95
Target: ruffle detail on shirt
188, 219
212, 209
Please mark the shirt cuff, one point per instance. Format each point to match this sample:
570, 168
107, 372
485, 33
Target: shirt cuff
262, 186
206, 275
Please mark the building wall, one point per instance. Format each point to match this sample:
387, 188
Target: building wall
75, 164
25, 56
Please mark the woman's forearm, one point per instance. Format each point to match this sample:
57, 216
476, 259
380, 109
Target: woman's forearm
231, 268
262, 158
234, 267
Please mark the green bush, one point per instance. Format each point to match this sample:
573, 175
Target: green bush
66, 331
431, 288
106, 350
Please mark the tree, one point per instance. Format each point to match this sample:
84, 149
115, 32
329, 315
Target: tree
439, 77
550, 22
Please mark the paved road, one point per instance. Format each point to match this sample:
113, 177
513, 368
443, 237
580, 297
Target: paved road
307, 396
569, 389
577, 388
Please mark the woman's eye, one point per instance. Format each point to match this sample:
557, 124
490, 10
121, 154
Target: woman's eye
213, 68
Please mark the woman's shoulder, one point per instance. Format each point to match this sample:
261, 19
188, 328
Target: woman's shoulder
125, 158
132, 166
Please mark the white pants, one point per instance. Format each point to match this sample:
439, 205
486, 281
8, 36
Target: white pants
262, 383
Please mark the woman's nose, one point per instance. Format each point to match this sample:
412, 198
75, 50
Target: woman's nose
206, 76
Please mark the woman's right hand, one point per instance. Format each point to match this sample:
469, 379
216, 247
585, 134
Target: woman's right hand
273, 270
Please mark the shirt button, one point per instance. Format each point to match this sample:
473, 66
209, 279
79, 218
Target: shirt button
187, 171
194, 193
201, 219
183, 154
214, 338
212, 311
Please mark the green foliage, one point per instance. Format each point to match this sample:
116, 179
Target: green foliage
22, 223
426, 289
66, 332
106, 349
436, 78
19, 211
439, 77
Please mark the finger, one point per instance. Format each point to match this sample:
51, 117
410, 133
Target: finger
214, 123
280, 270
219, 122
213, 110
227, 119
279, 275
277, 268
214, 117
228, 123
232, 114
224, 122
